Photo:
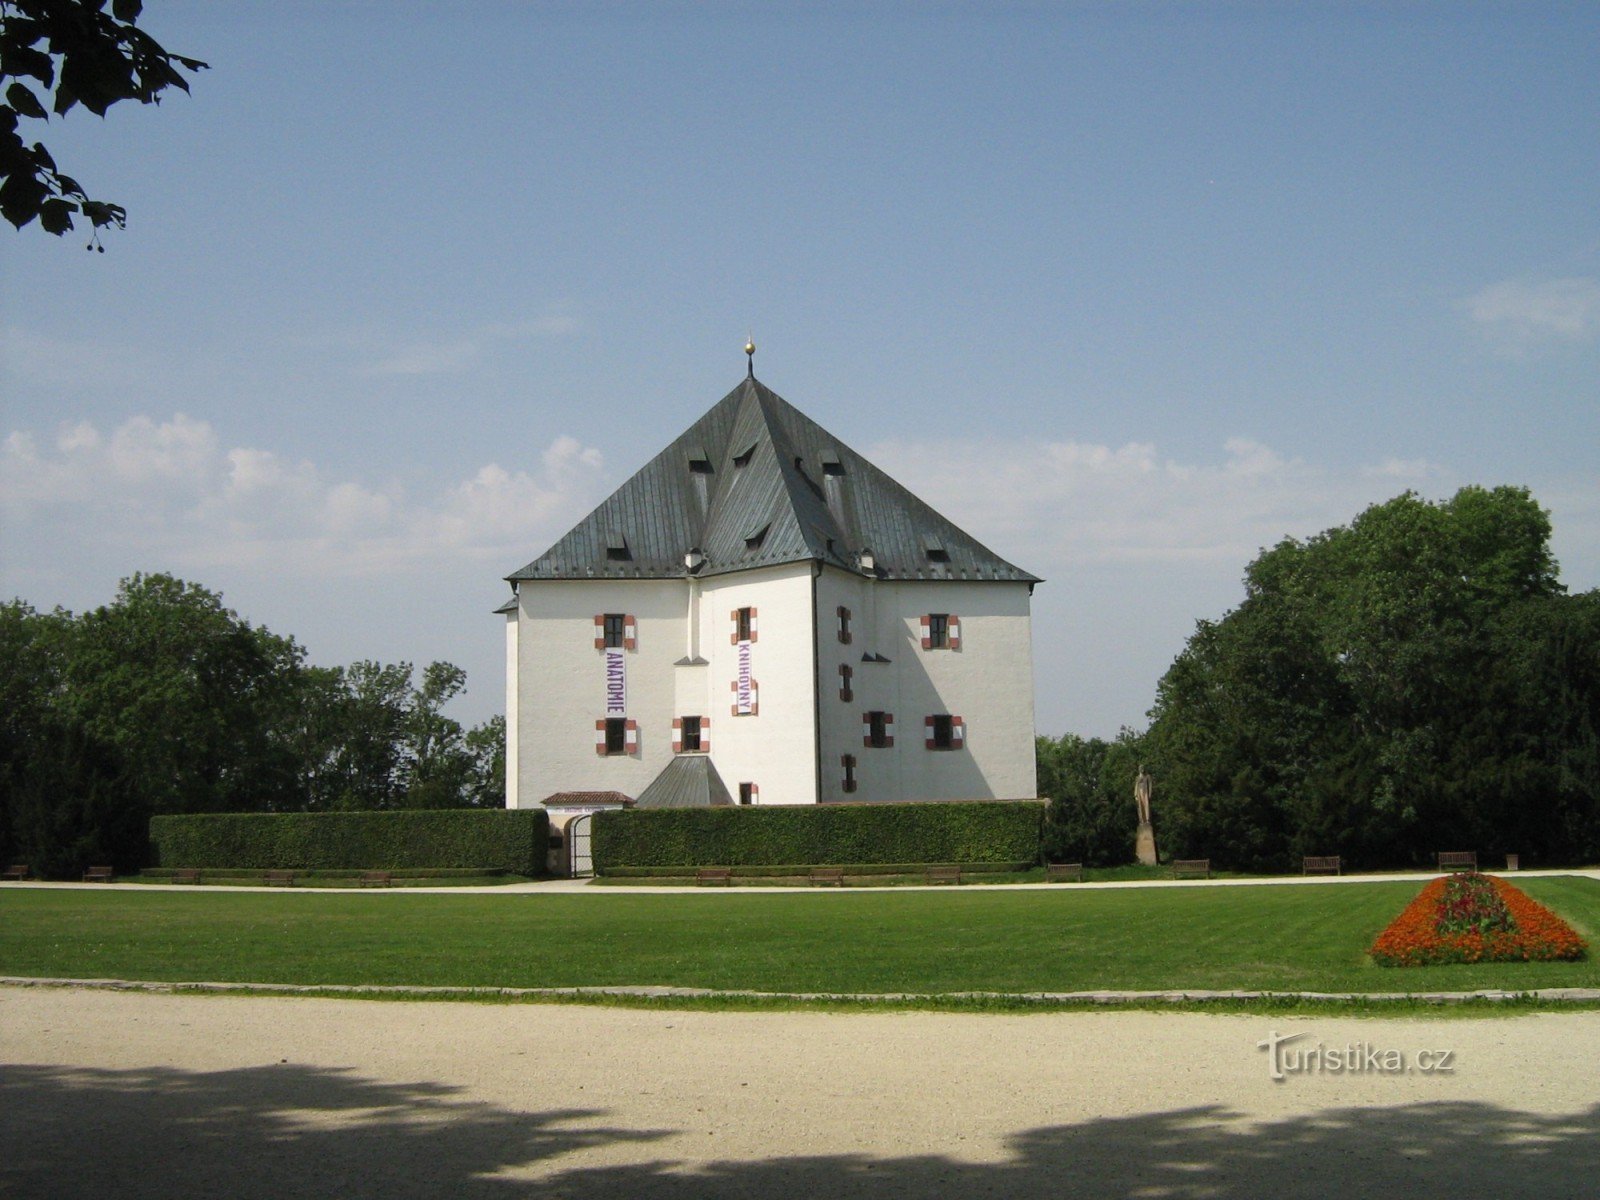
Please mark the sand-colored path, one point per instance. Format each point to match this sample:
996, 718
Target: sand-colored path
122, 1095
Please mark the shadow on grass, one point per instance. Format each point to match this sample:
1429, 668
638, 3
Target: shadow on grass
291, 1131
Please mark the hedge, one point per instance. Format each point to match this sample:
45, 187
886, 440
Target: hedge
511, 840
968, 832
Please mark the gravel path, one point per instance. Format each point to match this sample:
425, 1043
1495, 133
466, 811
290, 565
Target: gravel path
112, 1094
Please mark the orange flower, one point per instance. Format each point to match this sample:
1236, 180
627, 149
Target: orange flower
1536, 934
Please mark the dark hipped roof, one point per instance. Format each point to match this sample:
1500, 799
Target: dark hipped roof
688, 781
757, 483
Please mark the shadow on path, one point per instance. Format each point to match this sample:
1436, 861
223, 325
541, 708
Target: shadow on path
289, 1131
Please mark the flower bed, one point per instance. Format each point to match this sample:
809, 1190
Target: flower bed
1471, 918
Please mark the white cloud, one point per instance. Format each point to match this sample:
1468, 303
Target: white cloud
1054, 507
170, 492
1520, 314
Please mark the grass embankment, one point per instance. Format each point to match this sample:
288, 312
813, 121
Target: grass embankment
1299, 938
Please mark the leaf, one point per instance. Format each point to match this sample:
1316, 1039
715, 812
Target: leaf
103, 213
42, 157
21, 98
127, 10
20, 197
55, 215
20, 61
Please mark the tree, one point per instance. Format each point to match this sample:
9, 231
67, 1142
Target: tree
486, 744
165, 701
1089, 783
1386, 689
74, 52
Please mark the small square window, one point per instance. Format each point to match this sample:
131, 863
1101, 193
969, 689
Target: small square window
877, 730
747, 793
846, 678
844, 625
616, 625
616, 735
941, 732
691, 733
938, 631
744, 624
848, 762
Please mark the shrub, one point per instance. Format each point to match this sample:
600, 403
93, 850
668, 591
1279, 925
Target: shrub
512, 840
974, 832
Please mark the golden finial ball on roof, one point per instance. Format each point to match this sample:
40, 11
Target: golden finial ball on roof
750, 347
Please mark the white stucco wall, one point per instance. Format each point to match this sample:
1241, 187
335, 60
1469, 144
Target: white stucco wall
685, 664
775, 748
513, 629
561, 684
988, 682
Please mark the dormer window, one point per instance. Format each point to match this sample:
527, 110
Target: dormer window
699, 461
934, 549
831, 464
617, 547
742, 459
753, 541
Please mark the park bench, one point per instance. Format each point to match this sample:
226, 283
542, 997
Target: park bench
1191, 867
1327, 864
1056, 872
1458, 860
186, 875
713, 876
278, 879
377, 879
17, 871
827, 876
944, 874
97, 875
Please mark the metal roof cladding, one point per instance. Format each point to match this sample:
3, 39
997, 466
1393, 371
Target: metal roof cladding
687, 781
757, 483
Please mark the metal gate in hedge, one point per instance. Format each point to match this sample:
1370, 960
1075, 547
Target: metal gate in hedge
580, 862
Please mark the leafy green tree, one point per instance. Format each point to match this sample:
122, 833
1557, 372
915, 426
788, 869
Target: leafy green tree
165, 701
1371, 695
438, 764
188, 695
1089, 783
486, 743
58, 54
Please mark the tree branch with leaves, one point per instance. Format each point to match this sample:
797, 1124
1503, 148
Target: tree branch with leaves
55, 55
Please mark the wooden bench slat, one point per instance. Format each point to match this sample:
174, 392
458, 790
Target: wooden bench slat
1058, 871
377, 879
827, 876
944, 874
1313, 864
278, 879
1452, 859
186, 875
713, 875
97, 875
1182, 867
17, 871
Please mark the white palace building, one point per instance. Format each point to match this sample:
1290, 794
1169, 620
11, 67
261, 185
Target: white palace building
761, 616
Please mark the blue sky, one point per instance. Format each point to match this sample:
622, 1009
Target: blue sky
1127, 290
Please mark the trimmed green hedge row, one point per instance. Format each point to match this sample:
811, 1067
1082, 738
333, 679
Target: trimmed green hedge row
821, 835
512, 840
802, 870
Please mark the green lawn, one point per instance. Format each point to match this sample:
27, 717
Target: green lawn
1287, 938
